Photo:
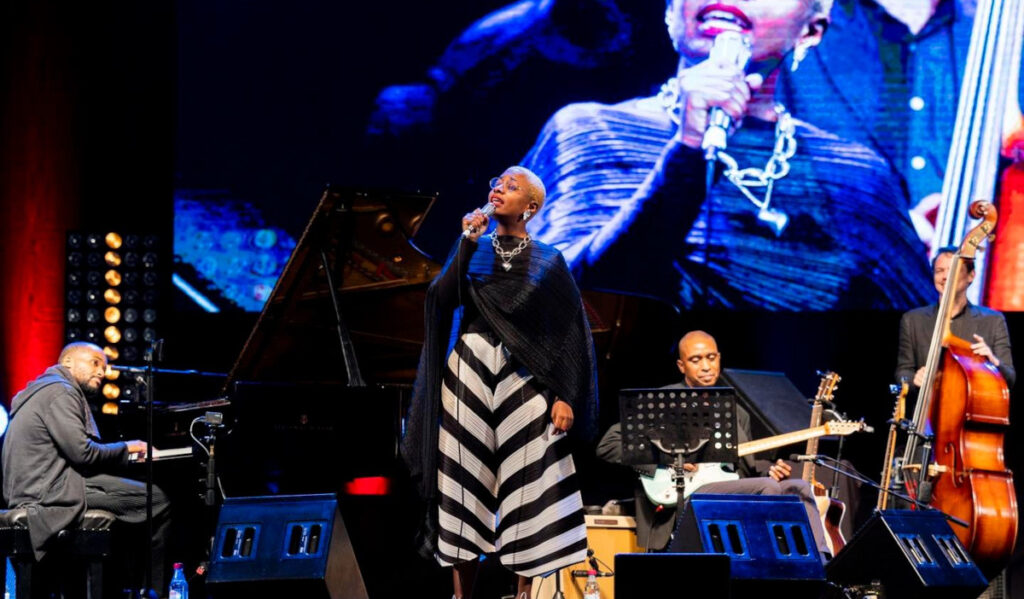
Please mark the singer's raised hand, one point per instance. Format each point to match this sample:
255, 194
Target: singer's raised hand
476, 222
708, 85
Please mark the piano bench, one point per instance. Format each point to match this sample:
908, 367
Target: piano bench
89, 543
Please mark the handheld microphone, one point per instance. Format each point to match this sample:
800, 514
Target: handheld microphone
733, 48
486, 210
802, 457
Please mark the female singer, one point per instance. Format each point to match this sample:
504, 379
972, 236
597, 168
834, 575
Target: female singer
486, 441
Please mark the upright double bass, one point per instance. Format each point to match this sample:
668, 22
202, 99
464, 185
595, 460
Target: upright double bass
964, 401
963, 411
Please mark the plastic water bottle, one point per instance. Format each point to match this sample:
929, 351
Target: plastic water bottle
179, 586
591, 591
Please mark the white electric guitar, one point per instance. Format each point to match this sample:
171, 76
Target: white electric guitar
661, 488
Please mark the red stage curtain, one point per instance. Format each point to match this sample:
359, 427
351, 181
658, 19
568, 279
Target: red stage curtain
38, 187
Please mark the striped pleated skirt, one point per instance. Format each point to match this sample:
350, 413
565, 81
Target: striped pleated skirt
507, 483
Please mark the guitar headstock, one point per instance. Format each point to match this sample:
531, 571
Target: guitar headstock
843, 427
899, 410
827, 386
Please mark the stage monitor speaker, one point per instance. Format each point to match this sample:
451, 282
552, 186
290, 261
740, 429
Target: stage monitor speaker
768, 539
294, 545
775, 405
912, 553
646, 575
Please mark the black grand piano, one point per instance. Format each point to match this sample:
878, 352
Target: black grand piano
319, 388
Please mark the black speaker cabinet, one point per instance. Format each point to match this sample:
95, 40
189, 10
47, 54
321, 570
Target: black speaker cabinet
768, 539
912, 553
296, 545
647, 575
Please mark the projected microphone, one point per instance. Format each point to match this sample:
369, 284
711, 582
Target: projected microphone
802, 457
732, 48
486, 210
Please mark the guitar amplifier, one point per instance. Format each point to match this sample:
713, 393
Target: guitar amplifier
607, 536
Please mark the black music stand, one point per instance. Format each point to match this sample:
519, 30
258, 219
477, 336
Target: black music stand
673, 426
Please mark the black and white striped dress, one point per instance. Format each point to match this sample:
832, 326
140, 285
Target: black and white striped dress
507, 483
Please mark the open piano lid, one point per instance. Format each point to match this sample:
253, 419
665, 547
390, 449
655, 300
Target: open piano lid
361, 242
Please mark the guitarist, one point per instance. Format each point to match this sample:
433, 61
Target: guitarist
700, 363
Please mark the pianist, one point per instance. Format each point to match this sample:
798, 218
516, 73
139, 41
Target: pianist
498, 470
54, 463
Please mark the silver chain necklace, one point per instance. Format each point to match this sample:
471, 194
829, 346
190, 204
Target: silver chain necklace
745, 179
507, 255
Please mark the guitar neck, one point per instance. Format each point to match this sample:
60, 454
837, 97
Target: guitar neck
812, 443
781, 440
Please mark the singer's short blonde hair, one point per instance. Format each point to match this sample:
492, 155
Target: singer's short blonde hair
537, 190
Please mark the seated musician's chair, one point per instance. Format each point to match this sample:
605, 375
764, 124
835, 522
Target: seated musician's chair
89, 544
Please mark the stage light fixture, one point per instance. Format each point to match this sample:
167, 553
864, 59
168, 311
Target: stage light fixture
114, 284
112, 375
112, 334
111, 391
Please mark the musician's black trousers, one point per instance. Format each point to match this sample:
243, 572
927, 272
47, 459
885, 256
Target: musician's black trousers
126, 499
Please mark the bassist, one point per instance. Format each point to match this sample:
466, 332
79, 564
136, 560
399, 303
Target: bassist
983, 327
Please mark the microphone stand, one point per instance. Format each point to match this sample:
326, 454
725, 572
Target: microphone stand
863, 479
153, 355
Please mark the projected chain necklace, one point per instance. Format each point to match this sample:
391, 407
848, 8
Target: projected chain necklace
747, 179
